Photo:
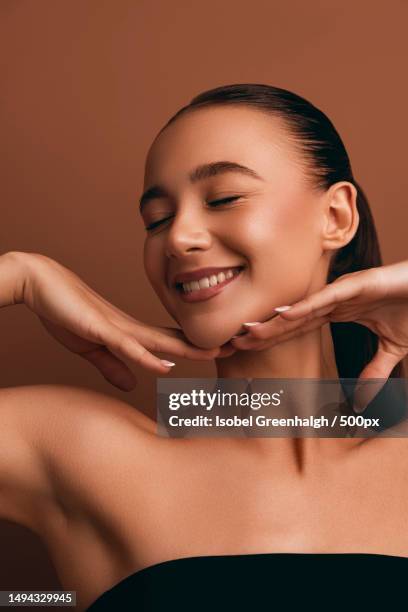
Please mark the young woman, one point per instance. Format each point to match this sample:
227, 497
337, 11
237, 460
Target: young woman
256, 180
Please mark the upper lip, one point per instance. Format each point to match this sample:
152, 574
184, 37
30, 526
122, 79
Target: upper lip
191, 275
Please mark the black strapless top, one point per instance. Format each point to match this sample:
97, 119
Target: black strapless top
265, 581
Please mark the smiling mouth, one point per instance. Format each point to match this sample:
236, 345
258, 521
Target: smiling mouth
205, 293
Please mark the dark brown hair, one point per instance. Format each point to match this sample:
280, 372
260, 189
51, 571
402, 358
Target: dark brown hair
327, 162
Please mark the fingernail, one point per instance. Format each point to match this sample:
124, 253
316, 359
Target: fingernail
251, 324
358, 409
167, 363
359, 400
282, 308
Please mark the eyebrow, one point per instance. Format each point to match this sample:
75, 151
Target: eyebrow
199, 173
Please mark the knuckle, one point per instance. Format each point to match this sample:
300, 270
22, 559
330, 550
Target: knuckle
259, 332
347, 275
377, 279
311, 314
335, 293
284, 325
142, 352
153, 344
95, 326
125, 343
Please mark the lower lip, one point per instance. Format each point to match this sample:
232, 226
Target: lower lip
199, 295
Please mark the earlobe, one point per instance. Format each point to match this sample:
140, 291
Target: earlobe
342, 218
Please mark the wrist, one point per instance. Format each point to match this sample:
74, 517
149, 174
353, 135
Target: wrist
18, 268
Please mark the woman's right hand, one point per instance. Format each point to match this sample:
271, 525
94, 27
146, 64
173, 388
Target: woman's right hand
90, 326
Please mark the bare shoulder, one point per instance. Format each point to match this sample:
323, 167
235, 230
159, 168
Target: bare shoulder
46, 432
34, 409
390, 446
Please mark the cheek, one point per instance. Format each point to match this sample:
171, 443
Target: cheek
283, 250
154, 266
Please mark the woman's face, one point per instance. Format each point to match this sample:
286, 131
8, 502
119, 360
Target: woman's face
272, 227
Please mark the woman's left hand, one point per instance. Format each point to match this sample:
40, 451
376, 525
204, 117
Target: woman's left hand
376, 297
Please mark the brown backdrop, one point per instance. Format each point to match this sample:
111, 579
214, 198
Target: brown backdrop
86, 85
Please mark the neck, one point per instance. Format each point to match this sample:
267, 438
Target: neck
310, 355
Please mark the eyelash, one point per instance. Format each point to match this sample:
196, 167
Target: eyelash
217, 202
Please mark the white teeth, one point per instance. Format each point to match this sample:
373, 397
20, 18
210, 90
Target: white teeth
207, 281
204, 282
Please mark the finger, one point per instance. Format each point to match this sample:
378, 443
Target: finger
303, 327
323, 301
380, 367
125, 346
272, 329
112, 369
173, 341
226, 350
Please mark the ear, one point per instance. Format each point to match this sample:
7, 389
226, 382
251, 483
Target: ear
341, 218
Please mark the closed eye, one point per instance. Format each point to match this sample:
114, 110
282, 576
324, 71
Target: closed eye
224, 200
213, 203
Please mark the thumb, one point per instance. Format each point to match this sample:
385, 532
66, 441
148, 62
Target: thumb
111, 368
380, 367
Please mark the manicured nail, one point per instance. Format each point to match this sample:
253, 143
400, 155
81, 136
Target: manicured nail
169, 364
358, 409
251, 324
358, 402
282, 308
363, 394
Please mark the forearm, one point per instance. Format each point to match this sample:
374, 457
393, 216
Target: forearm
14, 272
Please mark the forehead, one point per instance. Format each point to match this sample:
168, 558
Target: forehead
248, 136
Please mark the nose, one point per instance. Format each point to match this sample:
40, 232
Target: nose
187, 233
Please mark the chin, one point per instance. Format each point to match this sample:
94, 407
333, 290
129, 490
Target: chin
207, 338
